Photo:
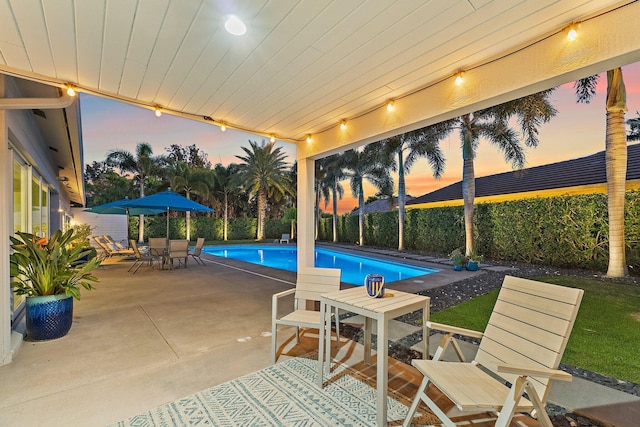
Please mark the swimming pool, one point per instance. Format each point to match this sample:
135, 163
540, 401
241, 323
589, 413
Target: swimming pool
354, 267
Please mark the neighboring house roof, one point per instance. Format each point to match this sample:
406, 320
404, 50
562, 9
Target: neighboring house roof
582, 175
381, 205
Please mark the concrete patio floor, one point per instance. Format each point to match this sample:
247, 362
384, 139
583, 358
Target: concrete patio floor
140, 341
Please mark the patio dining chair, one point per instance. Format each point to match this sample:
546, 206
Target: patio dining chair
141, 258
311, 283
179, 250
158, 248
197, 251
517, 359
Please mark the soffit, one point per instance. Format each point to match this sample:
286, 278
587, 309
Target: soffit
301, 68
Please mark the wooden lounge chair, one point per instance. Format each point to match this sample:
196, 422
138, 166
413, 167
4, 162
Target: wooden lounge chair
110, 249
310, 285
284, 238
522, 345
179, 250
197, 251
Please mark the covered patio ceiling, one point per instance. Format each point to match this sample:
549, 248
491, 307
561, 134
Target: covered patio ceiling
305, 66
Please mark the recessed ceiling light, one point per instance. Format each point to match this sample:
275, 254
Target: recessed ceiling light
235, 26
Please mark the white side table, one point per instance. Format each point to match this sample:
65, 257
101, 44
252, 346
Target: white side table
393, 304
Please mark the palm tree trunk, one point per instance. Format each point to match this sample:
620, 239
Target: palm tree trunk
226, 217
361, 214
468, 192
188, 219
401, 200
262, 213
141, 219
616, 163
334, 196
317, 213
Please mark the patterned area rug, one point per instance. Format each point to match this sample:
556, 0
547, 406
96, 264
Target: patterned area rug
284, 394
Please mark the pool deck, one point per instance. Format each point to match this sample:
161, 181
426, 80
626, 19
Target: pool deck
140, 341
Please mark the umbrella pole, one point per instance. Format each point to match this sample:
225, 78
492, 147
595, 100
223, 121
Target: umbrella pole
167, 226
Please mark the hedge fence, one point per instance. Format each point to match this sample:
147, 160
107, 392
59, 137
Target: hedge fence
567, 231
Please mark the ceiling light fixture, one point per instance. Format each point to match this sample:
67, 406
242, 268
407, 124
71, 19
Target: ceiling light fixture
70, 91
272, 139
158, 113
571, 35
459, 78
390, 105
223, 127
343, 124
308, 139
235, 26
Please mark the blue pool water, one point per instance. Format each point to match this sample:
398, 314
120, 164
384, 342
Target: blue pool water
354, 267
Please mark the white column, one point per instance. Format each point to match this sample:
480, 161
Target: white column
5, 215
306, 243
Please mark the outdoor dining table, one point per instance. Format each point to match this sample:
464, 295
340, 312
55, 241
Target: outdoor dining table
391, 305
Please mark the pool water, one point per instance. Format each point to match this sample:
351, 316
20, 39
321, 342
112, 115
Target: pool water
354, 267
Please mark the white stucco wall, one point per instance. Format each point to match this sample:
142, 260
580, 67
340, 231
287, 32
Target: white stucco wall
112, 225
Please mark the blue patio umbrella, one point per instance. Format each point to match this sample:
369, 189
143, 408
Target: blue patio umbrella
168, 201
117, 208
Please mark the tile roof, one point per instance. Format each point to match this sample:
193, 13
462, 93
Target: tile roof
569, 173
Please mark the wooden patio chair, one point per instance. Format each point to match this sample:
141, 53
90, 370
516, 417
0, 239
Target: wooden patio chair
197, 251
519, 353
311, 283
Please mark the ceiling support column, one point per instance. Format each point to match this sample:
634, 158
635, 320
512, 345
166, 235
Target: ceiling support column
305, 239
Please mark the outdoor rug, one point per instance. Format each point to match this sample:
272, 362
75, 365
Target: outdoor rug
285, 394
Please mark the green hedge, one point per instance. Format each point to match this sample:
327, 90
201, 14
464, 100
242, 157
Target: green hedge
208, 227
566, 231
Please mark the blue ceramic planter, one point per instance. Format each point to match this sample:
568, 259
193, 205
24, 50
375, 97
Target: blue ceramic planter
472, 265
457, 267
48, 317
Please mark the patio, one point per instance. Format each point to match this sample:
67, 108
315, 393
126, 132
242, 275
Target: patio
140, 341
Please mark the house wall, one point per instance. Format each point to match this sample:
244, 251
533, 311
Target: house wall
21, 139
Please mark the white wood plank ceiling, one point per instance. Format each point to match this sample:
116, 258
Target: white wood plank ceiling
301, 67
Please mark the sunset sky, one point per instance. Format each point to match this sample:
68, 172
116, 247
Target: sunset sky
577, 130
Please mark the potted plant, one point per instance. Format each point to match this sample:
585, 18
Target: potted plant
472, 261
49, 273
457, 258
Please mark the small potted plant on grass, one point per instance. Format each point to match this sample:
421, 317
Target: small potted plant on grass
49, 273
473, 259
457, 258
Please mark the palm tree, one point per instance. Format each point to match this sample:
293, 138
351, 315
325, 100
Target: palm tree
191, 181
365, 165
263, 174
331, 187
143, 165
616, 162
409, 147
224, 188
634, 129
492, 124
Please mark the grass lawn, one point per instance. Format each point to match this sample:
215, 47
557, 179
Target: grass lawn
605, 337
